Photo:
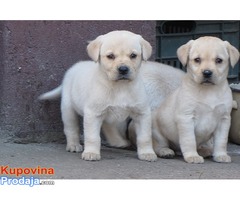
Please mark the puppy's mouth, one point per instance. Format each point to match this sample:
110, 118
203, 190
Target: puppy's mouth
123, 77
207, 81
123, 73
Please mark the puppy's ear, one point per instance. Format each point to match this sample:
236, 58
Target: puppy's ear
93, 48
233, 53
183, 52
146, 49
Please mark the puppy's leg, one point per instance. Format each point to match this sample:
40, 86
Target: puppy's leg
187, 141
220, 140
132, 133
144, 137
71, 128
206, 149
92, 141
114, 136
161, 145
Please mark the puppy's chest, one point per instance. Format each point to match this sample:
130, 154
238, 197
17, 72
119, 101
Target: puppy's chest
121, 106
206, 118
116, 114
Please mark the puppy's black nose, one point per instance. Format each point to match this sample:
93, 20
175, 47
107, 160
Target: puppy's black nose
207, 73
123, 70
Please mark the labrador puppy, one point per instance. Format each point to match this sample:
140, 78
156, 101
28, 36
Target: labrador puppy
198, 112
107, 91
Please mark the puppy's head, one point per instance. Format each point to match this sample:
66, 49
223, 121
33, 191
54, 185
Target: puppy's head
119, 54
208, 59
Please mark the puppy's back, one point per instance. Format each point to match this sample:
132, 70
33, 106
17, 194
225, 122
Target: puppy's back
160, 80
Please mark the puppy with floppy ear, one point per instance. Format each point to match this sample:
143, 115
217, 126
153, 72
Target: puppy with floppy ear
94, 47
116, 133
184, 50
106, 91
199, 110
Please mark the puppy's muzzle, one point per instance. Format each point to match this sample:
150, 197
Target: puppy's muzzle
123, 72
207, 77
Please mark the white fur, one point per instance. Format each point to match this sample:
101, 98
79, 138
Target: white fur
199, 110
160, 80
103, 96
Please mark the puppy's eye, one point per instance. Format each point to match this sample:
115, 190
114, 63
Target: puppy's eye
218, 60
197, 60
111, 56
133, 55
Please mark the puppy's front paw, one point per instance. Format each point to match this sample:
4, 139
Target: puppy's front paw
165, 153
90, 156
194, 159
151, 157
74, 148
222, 158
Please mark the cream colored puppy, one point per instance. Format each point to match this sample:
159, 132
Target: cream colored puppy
106, 91
200, 108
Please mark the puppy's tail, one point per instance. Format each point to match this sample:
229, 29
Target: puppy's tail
51, 95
